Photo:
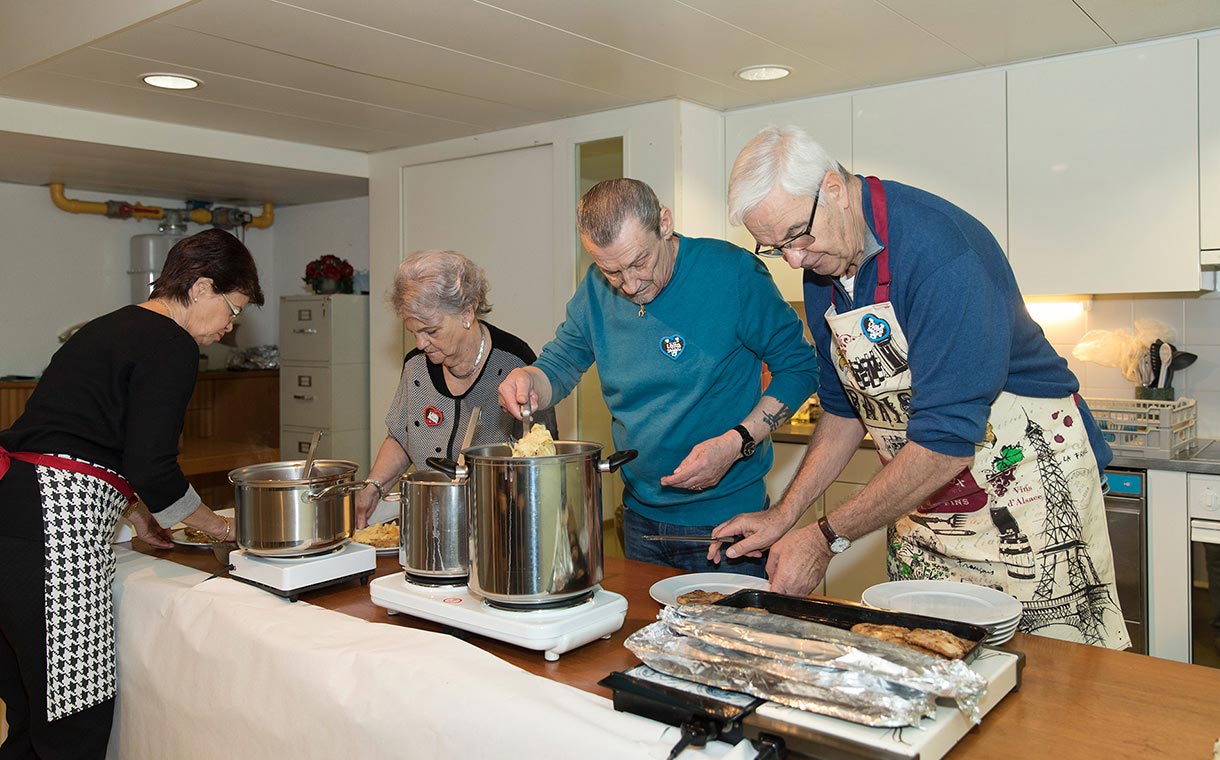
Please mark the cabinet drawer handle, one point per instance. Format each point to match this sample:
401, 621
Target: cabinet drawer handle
305, 330
302, 396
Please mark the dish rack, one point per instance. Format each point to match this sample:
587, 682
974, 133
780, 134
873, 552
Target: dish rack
1153, 429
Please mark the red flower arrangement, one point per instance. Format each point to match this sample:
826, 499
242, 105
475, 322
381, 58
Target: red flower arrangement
329, 274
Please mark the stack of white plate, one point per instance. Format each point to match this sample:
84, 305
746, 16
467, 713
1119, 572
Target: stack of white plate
996, 611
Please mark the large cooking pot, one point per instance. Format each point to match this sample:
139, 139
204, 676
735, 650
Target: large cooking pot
282, 513
535, 522
435, 528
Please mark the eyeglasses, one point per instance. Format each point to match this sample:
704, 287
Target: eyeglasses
799, 240
233, 310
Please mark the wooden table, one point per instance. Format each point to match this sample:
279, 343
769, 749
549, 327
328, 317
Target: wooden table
1076, 702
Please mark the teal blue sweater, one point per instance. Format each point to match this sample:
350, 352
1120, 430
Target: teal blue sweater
687, 371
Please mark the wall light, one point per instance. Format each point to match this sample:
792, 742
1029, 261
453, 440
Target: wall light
1055, 312
763, 73
171, 81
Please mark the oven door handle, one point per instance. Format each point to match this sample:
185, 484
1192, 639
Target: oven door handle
1205, 531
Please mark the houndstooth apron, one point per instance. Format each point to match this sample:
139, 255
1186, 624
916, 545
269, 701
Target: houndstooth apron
1026, 517
79, 516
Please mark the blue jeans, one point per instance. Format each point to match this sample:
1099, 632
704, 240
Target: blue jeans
684, 555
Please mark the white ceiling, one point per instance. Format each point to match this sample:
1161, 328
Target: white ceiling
369, 75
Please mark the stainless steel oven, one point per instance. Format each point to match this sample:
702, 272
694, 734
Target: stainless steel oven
1126, 514
1203, 491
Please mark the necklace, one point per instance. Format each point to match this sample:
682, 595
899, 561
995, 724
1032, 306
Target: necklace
477, 359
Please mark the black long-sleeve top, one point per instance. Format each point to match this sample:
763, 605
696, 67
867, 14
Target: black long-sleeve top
115, 395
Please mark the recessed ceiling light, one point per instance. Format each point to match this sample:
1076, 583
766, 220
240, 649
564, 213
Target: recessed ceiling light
763, 73
171, 81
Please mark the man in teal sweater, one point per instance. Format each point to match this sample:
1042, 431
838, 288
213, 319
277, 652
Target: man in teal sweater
680, 329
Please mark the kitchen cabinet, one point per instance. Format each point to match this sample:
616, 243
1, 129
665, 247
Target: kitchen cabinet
324, 376
827, 119
1209, 148
1103, 171
863, 564
946, 136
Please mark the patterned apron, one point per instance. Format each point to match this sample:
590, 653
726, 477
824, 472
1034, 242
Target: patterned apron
1026, 517
81, 504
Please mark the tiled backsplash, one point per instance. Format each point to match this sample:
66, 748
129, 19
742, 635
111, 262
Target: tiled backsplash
1196, 325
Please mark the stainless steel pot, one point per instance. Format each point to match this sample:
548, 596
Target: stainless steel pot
535, 522
281, 513
435, 528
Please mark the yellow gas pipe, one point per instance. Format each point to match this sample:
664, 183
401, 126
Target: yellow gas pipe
124, 210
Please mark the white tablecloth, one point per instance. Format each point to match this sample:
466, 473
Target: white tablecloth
220, 669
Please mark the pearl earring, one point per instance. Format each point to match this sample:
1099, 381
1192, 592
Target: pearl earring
466, 325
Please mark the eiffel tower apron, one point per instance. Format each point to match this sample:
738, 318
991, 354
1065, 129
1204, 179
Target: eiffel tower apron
1026, 517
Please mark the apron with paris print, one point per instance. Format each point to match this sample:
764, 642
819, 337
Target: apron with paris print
1026, 517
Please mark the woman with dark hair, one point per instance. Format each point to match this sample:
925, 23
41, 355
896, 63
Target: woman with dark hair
102, 425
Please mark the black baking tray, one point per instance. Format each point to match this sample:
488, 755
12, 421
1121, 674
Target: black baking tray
842, 614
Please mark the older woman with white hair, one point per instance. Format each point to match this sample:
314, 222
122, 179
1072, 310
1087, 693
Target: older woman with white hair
457, 365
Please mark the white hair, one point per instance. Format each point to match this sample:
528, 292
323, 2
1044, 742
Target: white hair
786, 157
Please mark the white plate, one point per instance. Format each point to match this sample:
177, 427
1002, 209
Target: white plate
951, 600
668, 590
387, 550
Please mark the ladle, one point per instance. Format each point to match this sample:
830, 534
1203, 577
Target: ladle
1180, 360
466, 439
313, 447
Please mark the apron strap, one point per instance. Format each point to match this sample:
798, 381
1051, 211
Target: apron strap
881, 220
62, 463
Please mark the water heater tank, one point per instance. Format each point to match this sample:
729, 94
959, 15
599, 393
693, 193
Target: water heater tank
148, 253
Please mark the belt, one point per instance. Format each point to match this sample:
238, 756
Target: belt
72, 465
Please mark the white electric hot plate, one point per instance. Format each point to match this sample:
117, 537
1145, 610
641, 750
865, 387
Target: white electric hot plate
668, 590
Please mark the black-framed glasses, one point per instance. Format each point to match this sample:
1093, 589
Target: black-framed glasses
799, 240
233, 310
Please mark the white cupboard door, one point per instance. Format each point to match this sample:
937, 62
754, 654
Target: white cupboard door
945, 136
828, 120
497, 210
861, 566
788, 458
1103, 172
1209, 147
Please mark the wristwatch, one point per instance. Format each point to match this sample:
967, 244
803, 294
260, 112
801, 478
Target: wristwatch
747, 442
837, 543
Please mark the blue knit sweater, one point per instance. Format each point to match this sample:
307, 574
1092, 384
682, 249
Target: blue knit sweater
970, 334
687, 371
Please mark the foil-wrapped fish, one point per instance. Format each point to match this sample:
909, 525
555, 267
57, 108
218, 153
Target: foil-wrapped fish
850, 695
804, 664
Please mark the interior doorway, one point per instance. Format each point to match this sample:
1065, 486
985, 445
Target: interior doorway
597, 161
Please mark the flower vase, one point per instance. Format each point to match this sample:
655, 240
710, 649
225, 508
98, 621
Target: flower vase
326, 285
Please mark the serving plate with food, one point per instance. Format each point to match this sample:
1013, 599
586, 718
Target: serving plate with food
384, 537
668, 590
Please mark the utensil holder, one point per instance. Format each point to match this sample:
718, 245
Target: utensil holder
1154, 394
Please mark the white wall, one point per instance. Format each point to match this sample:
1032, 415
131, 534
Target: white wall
60, 269
303, 233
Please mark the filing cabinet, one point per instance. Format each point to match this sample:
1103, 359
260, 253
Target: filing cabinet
324, 376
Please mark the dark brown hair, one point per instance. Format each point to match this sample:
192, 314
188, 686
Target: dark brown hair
212, 253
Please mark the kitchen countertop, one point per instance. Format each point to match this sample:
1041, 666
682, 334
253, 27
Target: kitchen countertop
799, 432
1075, 701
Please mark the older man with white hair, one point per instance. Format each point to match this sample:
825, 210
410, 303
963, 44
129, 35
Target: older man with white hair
991, 458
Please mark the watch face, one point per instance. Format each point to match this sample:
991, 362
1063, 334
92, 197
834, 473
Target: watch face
747, 448
840, 545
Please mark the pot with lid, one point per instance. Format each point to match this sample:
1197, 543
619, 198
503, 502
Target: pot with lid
535, 522
282, 513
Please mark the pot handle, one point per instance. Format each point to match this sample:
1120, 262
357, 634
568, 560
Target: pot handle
617, 460
336, 489
447, 466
